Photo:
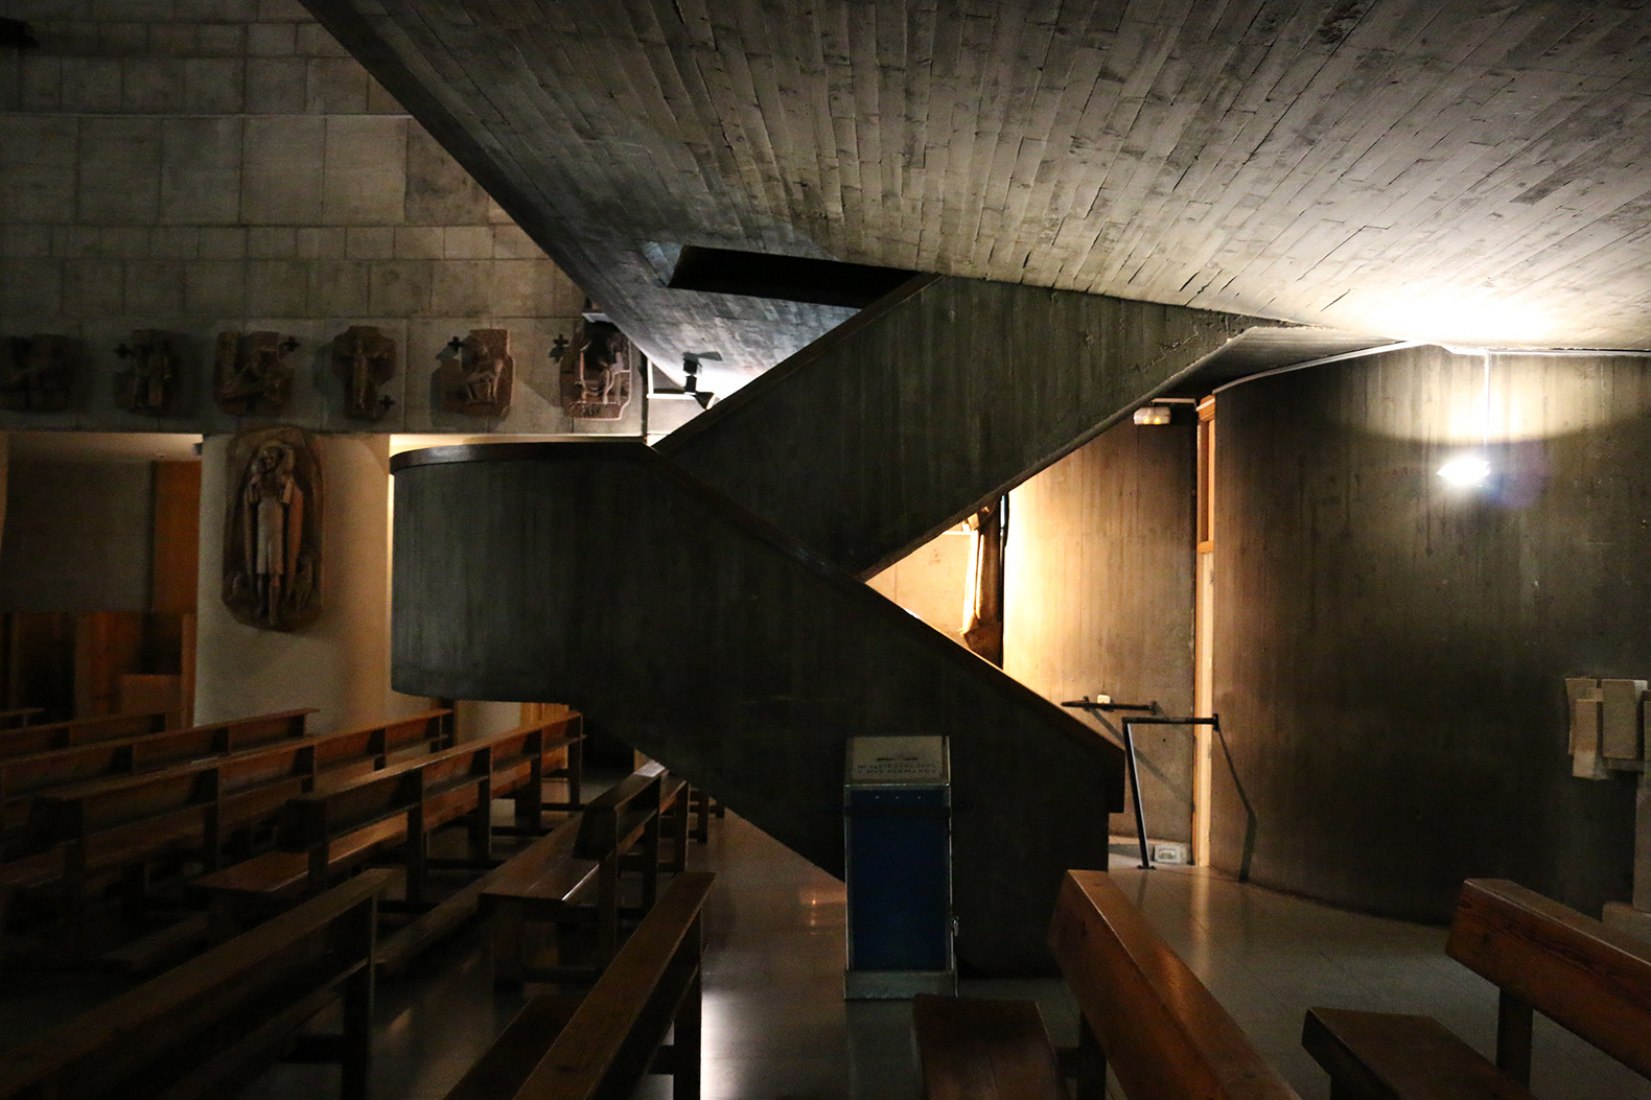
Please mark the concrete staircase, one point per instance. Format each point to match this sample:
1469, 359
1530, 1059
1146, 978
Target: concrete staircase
701, 602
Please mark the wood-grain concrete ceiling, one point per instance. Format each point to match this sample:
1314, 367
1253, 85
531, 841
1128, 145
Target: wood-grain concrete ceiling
1475, 171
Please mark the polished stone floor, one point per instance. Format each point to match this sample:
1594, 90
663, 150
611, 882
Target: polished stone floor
777, 1028
776, 1025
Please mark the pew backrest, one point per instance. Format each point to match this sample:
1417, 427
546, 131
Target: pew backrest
19, 716
22, 776
313, 819
1591, 979
607, 1044
79, 731
181, 1020
1160, 1030
367, 748
610, 817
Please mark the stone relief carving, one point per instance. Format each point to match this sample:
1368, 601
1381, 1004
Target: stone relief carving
149, 383
365, 359
595, 371
36, 374
272, 529
252, 376
479, 375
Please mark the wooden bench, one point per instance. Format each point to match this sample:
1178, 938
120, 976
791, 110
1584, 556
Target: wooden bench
19, 716
544, 883
26, 775
342, 824
95, 832
1143, 1014
605, 1045
580, 884
84, 834
1542, 957
210, 1026
79, 731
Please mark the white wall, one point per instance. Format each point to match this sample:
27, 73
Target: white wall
340, 662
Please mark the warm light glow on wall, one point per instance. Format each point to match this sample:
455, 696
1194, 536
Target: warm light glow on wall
1527, 398
1451, 315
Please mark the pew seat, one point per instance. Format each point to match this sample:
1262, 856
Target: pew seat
1370, 1054
973, 1048
1542, 957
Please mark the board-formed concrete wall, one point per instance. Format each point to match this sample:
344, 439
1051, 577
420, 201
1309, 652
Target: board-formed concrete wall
198, 167
1390, 654
1099, 596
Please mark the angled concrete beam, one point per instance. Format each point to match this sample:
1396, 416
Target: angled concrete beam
899, 423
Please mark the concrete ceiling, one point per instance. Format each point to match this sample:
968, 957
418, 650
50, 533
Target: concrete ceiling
1473, 171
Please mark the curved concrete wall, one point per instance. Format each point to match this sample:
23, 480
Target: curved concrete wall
1390, 654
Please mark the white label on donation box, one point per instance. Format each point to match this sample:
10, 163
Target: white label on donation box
898, 760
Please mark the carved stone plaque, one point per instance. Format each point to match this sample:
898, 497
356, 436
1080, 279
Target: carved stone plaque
148, 383
36, 374
272, 529
480, 375
251, 375
365, 359
596, 372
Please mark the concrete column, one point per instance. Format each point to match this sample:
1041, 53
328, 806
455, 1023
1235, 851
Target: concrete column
5, 453
340, 662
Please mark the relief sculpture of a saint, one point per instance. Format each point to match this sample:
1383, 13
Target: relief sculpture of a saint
272, 537
252, 376
478, 375
596, 372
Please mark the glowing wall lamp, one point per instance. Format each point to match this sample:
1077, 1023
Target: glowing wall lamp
1471, 469
1466, 471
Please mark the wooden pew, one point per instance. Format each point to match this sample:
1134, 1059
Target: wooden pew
1144, 1015
110, 828
342, 824
544, 882
398, 948
622, 818
84, 834
79, 731
557, 888
22, 776
210, 1026
614, 1035
18, 716
1542, 957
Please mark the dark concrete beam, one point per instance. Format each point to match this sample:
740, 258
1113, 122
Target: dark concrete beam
896, 425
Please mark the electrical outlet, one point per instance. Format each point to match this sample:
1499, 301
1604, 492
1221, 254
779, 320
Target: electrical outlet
1169, 854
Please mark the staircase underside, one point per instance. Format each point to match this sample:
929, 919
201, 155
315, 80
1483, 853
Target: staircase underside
900, 422
601, 575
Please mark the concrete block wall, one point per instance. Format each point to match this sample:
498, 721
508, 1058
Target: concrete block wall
196, 166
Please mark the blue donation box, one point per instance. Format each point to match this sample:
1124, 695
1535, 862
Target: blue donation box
897, 841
